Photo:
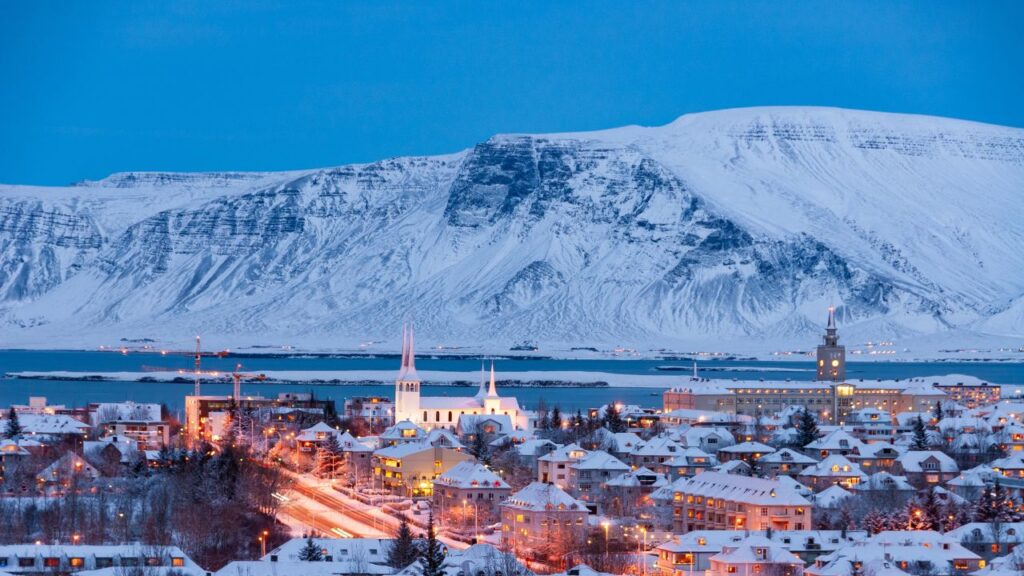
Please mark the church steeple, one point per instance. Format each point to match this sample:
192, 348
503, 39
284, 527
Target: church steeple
831, 356
492, 392
407, 384
831, 336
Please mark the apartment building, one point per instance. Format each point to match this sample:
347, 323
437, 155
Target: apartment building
717, 501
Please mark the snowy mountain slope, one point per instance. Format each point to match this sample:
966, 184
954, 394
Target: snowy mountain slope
735, 227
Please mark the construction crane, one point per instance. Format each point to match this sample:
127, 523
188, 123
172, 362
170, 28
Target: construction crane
197, 354
237, 376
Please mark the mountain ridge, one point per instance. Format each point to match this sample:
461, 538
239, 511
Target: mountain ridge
734, 227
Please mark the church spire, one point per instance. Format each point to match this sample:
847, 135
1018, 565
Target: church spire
408, 370
405, 337
831, 333
492, 392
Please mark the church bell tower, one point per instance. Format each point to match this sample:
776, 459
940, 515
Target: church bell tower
407, 384
831, 356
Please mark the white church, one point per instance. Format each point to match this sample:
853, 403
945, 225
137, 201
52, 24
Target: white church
444, 411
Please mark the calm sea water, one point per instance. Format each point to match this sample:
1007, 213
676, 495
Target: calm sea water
70, 393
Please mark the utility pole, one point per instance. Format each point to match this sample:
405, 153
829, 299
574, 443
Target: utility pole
199, 356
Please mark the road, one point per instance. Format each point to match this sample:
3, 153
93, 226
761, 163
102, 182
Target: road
349, 515
318, 520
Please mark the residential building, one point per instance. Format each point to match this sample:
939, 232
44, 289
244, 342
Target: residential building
784, 462
542, 519
410, 469
588, 474
41, 559
926, 468
553, 467
755, 555
834, 470
471, 484
375, 412
717, 501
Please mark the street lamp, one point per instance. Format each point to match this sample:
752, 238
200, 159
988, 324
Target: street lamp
263, 543
605, 525
476, 519
643, 529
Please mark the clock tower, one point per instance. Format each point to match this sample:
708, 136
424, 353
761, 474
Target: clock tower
831, 356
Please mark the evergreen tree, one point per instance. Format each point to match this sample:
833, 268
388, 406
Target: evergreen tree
807, 429
593, 422
875, 522
578, 422
330, 455
994, 505
403, 550
432, 560
556, 418
931, 509
14, 428
920, 435
613, 419
543, 423
937, 412
845, 519
479, 447
311, 552
916, 517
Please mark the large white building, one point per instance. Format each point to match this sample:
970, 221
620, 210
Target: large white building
444, 411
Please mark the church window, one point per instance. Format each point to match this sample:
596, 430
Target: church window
449, 415
437, 416
424, 415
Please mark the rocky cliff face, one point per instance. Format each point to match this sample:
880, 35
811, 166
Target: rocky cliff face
732, 226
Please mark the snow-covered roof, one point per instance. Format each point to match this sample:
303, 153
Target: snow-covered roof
748, 447
737, 467
692, 456
469, 474
834, 466
538, 496
985, 531
838, 439
658, 446
831, 497
786, 456
640, 477
567, 453
740, 489
885, 481
89, 553
373, 550
912, 461
756, 550
399, 451
68, 465
530, 447
302, 568
599, 460
130, 411
49, 425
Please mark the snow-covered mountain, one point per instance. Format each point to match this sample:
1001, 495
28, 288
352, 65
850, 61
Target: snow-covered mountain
729, 229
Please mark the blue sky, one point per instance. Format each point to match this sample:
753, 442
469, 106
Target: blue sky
90, 88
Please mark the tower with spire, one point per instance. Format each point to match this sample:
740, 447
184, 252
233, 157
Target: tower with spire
407, 384
831, 356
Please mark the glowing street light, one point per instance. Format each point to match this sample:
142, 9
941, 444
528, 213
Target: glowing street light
605, 525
